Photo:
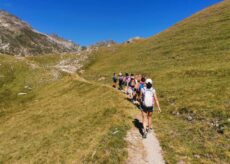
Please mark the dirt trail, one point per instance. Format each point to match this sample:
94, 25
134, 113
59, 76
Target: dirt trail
143, 151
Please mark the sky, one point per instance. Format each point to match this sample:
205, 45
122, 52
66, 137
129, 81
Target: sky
89, 21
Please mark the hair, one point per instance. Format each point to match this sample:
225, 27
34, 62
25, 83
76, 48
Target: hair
126, 74
132, 74
143, 79
149, 85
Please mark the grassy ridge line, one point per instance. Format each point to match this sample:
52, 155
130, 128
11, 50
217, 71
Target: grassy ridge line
67, 121
189, 64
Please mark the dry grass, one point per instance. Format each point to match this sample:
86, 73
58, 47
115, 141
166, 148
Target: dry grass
66, 120
189, 64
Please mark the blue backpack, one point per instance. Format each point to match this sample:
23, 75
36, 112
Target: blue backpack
142, 85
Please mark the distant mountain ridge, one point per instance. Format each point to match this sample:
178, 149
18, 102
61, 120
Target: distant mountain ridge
19, 38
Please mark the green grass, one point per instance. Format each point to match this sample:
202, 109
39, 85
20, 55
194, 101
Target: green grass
189, 64
64, 120
20, 76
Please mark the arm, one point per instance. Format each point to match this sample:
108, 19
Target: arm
157, 102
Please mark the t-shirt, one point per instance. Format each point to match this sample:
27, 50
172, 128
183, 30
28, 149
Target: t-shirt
120, 79
114, 79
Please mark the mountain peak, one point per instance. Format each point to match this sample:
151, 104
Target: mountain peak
11, 22
19, 38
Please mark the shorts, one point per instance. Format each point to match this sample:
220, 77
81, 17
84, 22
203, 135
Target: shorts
148, 109
145, 108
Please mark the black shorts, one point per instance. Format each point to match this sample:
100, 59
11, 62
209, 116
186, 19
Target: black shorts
147, 109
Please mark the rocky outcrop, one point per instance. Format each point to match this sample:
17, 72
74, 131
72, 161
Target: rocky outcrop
19, 38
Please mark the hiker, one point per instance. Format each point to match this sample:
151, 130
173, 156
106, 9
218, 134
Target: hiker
114, 80
140, 96
131, 87
136, 95
126, 82
149, 97
139, 87
120, 81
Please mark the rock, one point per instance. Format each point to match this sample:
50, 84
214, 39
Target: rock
30, 42
101, 78
197, 156
189, 118
81, 71
220, 130
181, 162
207, 156
212, 124
116, 132
28, 87
175, 113
21, 94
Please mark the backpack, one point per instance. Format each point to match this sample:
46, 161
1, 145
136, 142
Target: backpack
121, 78
141, 86
148, 97
132, 83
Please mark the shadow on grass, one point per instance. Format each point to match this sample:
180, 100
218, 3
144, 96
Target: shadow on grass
138, 125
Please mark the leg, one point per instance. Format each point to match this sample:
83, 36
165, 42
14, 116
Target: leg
145, 120
150, 119
142, 117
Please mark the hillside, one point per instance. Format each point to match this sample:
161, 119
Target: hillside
189, 64
19, 38
48, 116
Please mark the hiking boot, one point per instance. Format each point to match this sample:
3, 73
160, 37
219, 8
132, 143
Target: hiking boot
144, 135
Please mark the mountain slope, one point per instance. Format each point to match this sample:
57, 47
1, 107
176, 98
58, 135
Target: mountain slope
60, 118
18, 38
189, 64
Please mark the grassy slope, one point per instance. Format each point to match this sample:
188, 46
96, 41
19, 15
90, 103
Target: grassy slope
61, 120
190, 67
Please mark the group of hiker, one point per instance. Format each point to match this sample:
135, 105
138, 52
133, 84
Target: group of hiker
141, 92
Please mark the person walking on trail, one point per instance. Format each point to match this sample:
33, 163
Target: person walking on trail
114, 80
126, 82
149, 98
137, 90
140, 96
120, 81
131, 87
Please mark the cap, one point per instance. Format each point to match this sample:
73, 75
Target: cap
149, 81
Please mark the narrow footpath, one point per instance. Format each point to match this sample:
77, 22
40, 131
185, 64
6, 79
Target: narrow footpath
143, 151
